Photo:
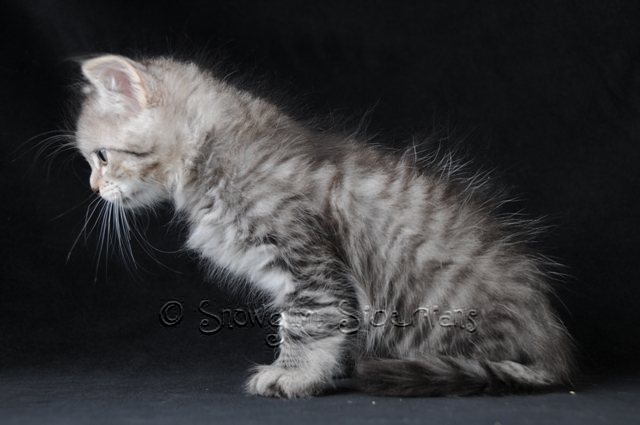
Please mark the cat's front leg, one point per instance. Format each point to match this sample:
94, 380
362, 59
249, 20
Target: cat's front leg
312, 351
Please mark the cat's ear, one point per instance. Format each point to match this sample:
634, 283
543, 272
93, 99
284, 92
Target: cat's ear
119, 80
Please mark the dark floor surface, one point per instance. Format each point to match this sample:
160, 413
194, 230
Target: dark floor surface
212, 394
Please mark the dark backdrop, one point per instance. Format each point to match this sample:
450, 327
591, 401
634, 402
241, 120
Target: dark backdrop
547, 92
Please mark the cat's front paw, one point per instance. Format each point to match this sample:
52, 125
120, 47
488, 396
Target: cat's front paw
277, 381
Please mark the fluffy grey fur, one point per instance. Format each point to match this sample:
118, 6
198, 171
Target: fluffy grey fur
394, 272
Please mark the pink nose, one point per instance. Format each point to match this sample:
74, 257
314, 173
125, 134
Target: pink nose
95, 188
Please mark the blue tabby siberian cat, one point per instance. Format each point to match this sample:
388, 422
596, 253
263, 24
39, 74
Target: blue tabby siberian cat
382, 269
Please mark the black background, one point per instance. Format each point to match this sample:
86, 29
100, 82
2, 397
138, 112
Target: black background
546, 92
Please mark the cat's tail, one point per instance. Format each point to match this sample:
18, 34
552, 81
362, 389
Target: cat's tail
444, 375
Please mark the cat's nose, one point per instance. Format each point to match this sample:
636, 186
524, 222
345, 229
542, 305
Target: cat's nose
94, 181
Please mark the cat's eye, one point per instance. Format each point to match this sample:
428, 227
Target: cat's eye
102, 156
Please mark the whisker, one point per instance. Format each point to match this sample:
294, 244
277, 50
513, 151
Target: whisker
59, 132
146, 242
84, 227
70, 209
103, 218
123, 239
145, 245
92, 207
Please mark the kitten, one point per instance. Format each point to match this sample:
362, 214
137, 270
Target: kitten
382, 269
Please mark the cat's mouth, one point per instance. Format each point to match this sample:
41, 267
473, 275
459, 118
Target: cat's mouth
112, 193
126, 201
114, 198
118, 199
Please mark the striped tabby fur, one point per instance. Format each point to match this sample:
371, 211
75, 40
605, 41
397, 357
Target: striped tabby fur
396, 273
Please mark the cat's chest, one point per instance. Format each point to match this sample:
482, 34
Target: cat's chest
219, 237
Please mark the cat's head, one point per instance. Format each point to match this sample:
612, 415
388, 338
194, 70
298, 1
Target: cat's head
127, 132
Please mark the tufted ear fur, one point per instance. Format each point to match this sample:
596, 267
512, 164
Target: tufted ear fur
119, 81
